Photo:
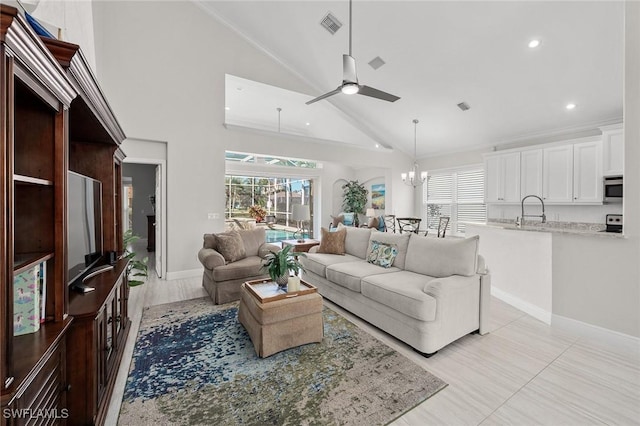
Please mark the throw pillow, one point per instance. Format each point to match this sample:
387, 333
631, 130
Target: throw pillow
336, 220
348, 219
382, 254
230, 246
332, 242
373, 223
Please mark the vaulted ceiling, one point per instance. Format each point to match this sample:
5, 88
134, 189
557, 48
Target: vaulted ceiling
438, 54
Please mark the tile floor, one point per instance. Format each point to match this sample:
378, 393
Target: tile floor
522, 373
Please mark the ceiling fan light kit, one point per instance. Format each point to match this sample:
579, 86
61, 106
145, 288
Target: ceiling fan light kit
350, 85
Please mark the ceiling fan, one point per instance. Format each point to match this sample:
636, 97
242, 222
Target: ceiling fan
350, 85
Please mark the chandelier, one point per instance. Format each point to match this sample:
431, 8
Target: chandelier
414, 177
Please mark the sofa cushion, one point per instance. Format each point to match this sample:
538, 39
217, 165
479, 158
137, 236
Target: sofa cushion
402, 291
350, 274
231, 246
382, 254
253, 239
372, 223
401, 241
318, 262
332, 242
247, 267
357, 241
442, 257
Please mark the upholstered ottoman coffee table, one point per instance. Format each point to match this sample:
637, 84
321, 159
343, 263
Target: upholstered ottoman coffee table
276, 320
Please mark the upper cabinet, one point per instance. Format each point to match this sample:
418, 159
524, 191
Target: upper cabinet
613, 150
502, 178
531, 172
568, 172
557, 174
587, 172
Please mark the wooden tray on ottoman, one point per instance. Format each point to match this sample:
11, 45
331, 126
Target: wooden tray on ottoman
268, 291
276, 321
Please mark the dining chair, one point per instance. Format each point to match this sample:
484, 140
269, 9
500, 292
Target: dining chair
443, 222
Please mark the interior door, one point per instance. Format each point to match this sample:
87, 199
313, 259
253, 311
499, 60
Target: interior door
159, 221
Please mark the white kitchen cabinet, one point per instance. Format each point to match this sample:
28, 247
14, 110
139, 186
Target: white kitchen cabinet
613, 150
557, 174
587, 172
531, 172
502, 178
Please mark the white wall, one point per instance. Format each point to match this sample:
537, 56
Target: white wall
162, 67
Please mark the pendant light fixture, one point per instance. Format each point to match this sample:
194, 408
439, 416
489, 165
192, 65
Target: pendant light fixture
414, 177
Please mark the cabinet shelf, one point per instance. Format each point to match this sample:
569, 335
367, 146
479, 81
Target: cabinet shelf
34, 349
21, 179
24, 261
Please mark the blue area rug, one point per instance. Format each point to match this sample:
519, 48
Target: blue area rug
194, 364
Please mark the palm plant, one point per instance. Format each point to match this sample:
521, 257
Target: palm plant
279, 264
135, 267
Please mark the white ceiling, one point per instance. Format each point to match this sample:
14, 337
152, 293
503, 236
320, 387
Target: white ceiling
438, 54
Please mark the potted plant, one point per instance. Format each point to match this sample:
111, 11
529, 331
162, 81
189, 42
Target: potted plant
279, 264
257, 212
135, 267
355, 199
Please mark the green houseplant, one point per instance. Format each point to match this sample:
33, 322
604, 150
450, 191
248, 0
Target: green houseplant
355, 199
135, 267
279, 264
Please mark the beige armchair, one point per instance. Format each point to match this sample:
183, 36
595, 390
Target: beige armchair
230, 259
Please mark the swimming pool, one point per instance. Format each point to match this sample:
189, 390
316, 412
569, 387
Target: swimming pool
275, 235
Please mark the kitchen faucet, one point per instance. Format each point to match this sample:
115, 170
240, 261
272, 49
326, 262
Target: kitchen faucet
520, 220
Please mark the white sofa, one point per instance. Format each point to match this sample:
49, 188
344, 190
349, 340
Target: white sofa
436, 291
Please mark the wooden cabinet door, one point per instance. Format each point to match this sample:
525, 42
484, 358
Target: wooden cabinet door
557, 182
587, 172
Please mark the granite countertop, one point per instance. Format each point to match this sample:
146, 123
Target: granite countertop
575, 228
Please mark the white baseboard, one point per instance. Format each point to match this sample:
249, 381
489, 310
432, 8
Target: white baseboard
604, 335
189, 273
533, 310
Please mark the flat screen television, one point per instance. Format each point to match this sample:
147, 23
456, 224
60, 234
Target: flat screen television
84, 224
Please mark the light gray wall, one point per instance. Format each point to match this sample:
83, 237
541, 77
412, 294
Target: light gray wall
162, 67
143, 179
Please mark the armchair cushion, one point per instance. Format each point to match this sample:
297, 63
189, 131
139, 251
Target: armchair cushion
248, 267
253, 239
265, 248
231, 246
348, 219
336, 220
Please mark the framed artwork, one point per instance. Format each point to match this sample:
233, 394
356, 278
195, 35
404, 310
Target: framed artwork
377, 196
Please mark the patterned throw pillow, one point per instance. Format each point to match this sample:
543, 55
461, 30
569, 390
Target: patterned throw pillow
332, 242
382, 254
230, 246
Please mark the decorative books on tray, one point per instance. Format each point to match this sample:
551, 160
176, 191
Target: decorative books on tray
29, 297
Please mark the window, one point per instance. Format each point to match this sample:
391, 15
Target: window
457, 194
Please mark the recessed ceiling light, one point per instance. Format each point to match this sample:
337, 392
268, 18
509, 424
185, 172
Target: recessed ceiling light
227, 108
570, 106
308, 124
534, 43
377, 145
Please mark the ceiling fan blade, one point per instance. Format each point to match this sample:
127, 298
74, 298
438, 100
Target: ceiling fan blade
349, 69
378, 94
326, 95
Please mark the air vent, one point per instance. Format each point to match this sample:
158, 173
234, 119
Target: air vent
464, 106
331, 23
376, 62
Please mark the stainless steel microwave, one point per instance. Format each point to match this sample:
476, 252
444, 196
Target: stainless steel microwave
613, 189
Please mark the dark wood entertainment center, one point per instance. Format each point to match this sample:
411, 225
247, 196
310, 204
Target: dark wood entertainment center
56, 119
